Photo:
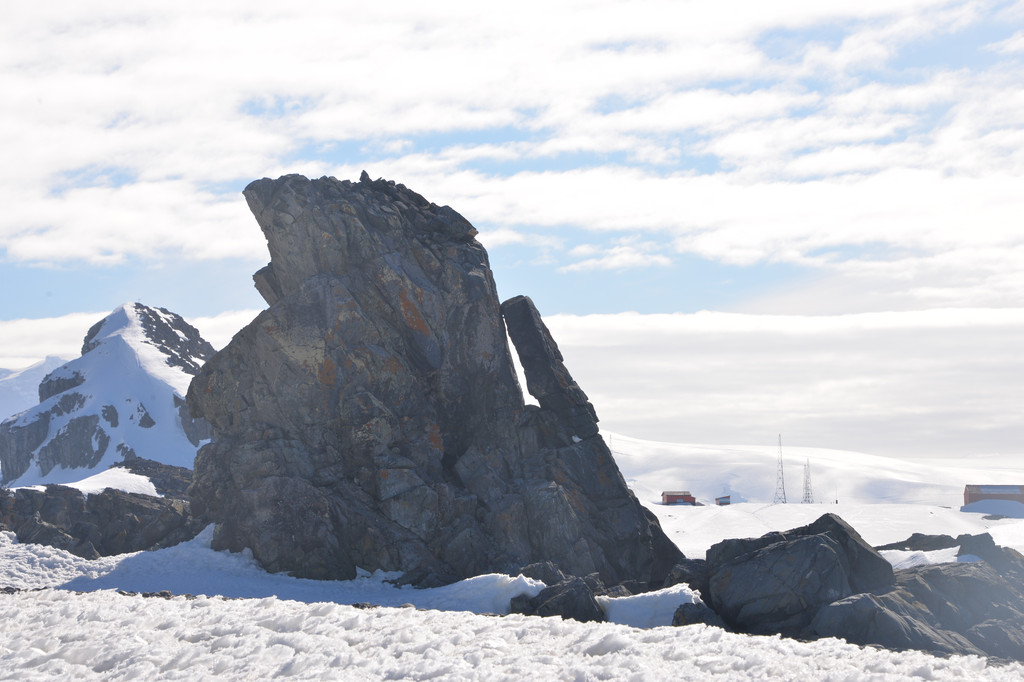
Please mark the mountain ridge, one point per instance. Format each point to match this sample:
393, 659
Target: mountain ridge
122, 398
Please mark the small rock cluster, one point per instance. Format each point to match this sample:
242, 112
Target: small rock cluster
568, 596
823, 580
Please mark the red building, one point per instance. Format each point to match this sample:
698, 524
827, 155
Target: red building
678, 497
976, 493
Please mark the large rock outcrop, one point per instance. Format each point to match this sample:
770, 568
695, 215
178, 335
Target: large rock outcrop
776, 583
951, 608
823, 580
371, 417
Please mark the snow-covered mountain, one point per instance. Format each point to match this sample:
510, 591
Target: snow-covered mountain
123, 397
19, 389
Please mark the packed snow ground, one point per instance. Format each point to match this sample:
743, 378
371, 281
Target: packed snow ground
102, 635
278, 625
308, 630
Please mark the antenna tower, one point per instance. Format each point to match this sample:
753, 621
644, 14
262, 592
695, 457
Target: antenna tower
780, 483
808, 496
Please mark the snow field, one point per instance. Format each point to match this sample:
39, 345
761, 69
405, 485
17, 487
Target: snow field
102, 635
748, 473
193, 568
276, 625
694, 529
308, 630
901, 559
118, 478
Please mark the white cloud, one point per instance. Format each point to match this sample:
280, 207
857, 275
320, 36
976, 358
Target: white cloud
134, 127
1013, 44
627, 253
107, 224
26, 341
505, 236
938, 382
218, 329
932, 382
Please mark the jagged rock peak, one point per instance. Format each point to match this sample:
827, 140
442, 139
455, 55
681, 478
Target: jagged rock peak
547, 378
395, 213
168, 332
371, 416
123, 397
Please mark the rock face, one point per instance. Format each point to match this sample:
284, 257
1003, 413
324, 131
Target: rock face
697, 613
124, 397
949, 608
776, 583
573, 598
371, 416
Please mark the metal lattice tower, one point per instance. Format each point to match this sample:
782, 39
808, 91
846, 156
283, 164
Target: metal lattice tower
808, 496
780, 483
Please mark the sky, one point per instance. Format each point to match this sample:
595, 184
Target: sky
740, 218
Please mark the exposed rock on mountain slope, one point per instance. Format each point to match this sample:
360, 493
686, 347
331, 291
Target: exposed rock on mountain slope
371, 416
124, 397
101, 523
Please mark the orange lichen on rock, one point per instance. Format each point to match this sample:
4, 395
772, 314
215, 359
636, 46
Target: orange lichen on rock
328, 372
434, 436
412, 315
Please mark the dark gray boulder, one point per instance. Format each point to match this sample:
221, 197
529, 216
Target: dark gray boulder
822, 580
779, 588
692, 572
547, 379
371, 416
868, 569
697, 613
777, 583
168, 480
887, 621
1007, 561
953, 608
544, 571
921, 542
574, 599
